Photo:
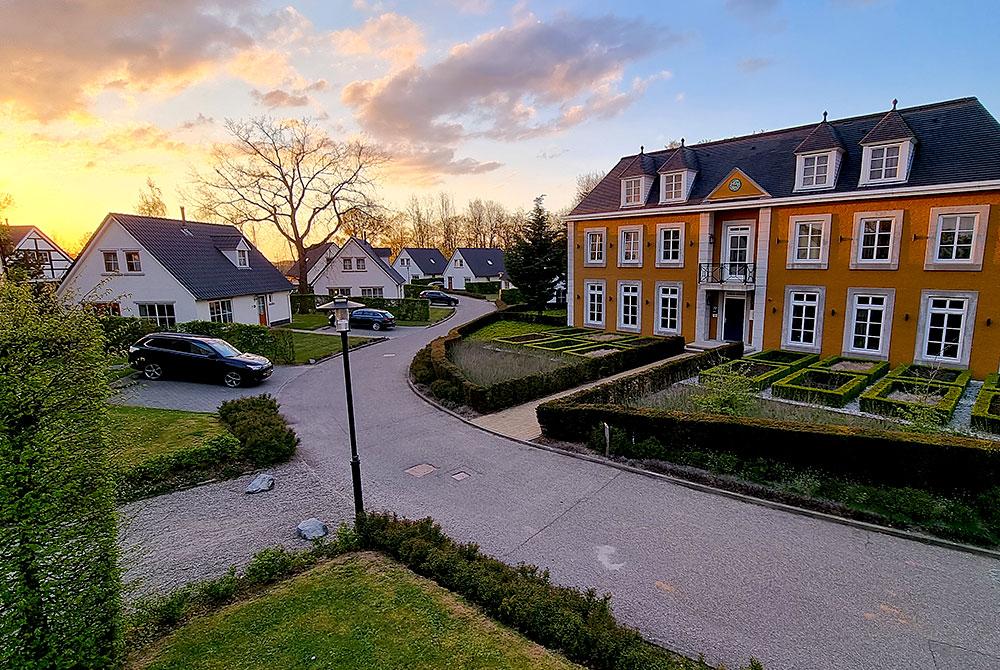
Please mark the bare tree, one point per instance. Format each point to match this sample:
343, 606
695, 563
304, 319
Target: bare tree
369, 226
420, 212
291, 176
585, 183
449, 224
151, 200
398, 233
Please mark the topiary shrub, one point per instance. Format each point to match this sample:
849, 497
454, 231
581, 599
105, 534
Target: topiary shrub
276, 344
264, 435
421, 369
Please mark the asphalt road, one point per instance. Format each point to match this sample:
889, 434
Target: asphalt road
697, 572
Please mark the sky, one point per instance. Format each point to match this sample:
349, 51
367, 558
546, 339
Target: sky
476, 98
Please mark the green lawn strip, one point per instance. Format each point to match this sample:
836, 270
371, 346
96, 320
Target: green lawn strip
316, 345
438, 314
362, 611
500, 329
308, 321
146, 432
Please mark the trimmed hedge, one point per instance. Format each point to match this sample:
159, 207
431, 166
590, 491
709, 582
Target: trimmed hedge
513, 296
800, 386
483, 287
414, 288
875, 369
986, 415
304, 303
928, 373
992, 382
760, 373
121, 332
876, 400
265, 437
448, 383
791, 359
404, 309
275, 343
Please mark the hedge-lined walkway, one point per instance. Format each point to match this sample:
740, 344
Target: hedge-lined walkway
521, 422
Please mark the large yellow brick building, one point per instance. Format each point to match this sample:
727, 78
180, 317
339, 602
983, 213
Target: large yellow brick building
873, 237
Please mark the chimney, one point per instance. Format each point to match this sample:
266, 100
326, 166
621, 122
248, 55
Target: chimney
183, 218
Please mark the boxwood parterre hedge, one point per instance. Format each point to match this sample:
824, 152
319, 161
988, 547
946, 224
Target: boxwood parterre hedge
823, 387
873, 370
791, 359
760, 373
878, 399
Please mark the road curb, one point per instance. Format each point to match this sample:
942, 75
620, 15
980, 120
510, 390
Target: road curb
705, 488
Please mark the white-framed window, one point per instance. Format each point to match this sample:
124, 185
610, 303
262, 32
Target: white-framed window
348, 264
459, 263
868, 321
242, 258
132, 261
672, 186
160, 313
359, 264
594, 240
668, 308
945, 328
956, 237
803, 327
339, 291
875, 243
629, 306
670, 245
808, 241
404, 262
630, 245
593, 294
221, 311
632, 191
110, 261
371, 291
885, 163
815, 170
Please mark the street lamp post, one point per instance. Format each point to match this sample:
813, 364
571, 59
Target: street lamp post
342, 311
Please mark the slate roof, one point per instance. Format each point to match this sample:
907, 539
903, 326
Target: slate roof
197, 261
18, 233
641, 165
681, 159
957, 141
373, 253
316, 253
483, 262
823, 137
892, 127
429, 261
383, 252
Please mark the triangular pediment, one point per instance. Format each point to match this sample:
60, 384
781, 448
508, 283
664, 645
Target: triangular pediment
737, 184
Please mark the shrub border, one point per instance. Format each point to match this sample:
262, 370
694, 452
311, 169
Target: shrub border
902, 371
879, 368
759, 383
982, 418
874, 400
788, 388
804, 359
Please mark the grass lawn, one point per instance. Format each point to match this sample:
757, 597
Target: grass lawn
150, 432
508, 329
362, 611
488, 363
316, 345
308, 321
437, 314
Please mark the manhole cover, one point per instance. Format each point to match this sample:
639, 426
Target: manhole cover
459, 476
421, 470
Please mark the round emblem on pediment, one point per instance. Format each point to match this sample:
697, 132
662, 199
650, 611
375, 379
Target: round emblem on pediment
735, 184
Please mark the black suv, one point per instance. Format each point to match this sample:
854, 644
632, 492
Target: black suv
439, 298
196, 357
376, 319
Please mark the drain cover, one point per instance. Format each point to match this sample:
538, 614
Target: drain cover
421, 470
459, 476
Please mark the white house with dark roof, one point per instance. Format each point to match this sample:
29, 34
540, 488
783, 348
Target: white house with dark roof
171, 271
472, 265
420, 263
357, 269
32, 244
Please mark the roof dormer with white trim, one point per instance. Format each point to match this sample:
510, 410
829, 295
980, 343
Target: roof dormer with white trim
637, 180
887, 151
818, 158
677, 175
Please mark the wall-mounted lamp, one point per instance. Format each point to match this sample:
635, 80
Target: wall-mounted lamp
577, 245
833, 312
610, 244
920, 237
690, 243
577, 296
711, 238
778, 241
843, 239
687, 304
647, 301
989, 322
774, 310
649, 243
906, 317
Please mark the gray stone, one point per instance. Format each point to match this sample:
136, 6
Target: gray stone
312, 529
260, 484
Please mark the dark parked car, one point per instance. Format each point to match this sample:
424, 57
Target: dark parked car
195, 357
376, 319
439, 298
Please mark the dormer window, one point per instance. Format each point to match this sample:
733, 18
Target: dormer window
242, 258
817, 171
672, 187
632, 191
886, 163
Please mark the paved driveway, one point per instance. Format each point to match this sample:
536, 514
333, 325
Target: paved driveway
695, 571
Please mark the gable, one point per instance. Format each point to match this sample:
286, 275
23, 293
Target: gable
737, 184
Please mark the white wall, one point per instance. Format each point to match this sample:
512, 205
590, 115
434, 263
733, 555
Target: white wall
279, 309
317, 271
88, 282
410, 272
455, 277
372, 276
55, 271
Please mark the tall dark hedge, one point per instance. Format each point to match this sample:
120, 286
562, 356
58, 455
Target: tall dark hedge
60, 592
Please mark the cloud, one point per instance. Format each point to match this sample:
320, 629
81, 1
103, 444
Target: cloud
749, 65
294, 98
197, 122
531, 79
389, 36
551, 152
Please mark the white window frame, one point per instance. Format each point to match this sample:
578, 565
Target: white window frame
658, 311
338, 291
850, 321
675, 178
165, 320
832, 165
786, 331
902, 167
621, 306
242, 258
588, 259
220, 311
792, 261
138, 262
348, 264
661, 230
891, 263
360, 265
105, 258
975, 262
372, 292
638, 198
971, 299
622, 263
588, 285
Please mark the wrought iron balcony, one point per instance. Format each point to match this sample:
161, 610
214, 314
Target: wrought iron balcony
727, 273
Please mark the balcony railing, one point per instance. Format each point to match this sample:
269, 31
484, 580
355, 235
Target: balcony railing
727, 273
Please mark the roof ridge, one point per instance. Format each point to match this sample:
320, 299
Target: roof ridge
172, 220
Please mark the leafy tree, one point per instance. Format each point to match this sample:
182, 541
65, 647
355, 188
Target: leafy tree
536, 261
151, 200
60, 590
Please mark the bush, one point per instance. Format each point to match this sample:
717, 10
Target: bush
821, 386
731, 395
944, 397
513, 296
121, 332
793, 359
218, 456
421, 368
275, 343
404, 309
873, 370
930, 373
270, 565
264, 435
760, 373
483, 287
305, 303
986, 410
